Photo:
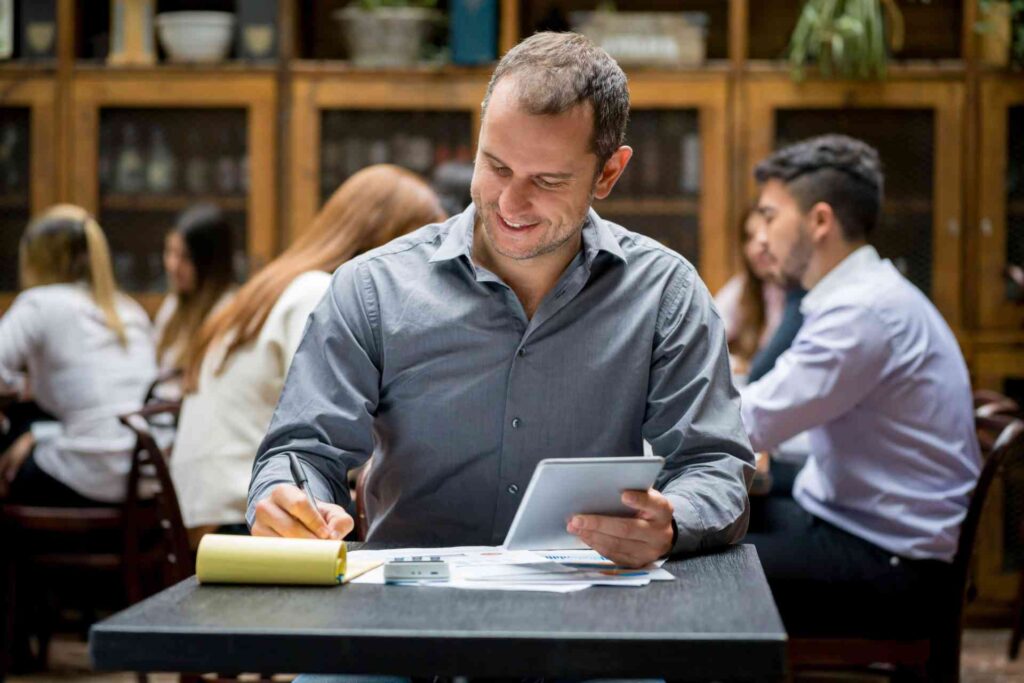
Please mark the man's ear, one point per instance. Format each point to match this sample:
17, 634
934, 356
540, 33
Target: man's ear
613, 168
822, 220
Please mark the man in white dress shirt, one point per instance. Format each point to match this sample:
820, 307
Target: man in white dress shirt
877, 380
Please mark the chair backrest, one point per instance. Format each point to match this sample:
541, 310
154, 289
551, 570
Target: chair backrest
149, 483
1007, 453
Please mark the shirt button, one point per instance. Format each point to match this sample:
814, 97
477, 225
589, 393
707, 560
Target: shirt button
516, 422
522, 351
513, 489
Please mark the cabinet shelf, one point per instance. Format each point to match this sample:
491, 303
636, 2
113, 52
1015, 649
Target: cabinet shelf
169, 202
14, 201
649, 207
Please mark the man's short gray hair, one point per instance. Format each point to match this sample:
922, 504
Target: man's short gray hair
554, 72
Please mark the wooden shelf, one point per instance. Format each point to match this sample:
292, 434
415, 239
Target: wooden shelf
228, 68
942, 69
170, 202
313, 67
908, 205
14, 201
648, 207
28, 66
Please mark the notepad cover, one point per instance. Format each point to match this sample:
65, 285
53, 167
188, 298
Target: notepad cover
276, 561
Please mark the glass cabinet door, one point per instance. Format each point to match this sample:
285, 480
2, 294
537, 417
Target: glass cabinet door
659, 193
435, 144
155, 163
916, 128
1001, 204
15, 189
904, 139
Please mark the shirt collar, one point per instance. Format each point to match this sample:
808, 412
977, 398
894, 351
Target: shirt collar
597, 237
861, 259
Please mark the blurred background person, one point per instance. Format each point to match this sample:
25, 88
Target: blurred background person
750, 303
198, 259
236, 375
69, 293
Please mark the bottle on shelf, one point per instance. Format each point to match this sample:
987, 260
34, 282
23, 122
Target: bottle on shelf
107, 154
650, 157
243, 162
331, 164
6, 29
689, 171
11, 176
130, 173
197, 168
162, 167
226, 167
380, 152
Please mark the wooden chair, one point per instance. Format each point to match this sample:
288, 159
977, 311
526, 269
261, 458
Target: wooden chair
143, 539
936, 658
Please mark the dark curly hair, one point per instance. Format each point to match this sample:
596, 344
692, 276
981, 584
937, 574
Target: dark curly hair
841, 171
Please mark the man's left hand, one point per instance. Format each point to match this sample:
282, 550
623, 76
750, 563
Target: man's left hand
630, 541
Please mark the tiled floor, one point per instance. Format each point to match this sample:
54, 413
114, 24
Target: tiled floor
984, 661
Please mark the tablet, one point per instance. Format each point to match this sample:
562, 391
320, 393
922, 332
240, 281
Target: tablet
563, 487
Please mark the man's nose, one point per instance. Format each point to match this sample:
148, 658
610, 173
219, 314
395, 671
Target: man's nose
514, 201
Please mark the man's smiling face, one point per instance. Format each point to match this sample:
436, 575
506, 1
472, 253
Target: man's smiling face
534, 178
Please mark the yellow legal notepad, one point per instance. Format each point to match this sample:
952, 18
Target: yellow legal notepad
258, 559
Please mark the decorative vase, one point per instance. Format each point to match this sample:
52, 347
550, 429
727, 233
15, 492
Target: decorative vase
386, 36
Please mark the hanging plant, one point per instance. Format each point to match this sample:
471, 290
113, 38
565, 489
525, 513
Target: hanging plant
847, 38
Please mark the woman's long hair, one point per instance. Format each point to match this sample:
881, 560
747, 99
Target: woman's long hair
209, 238
751, 314
374, 206
66, 244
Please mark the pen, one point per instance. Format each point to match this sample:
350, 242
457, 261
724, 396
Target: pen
299, 475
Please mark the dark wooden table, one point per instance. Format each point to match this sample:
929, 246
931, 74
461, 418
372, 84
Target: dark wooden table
716, 621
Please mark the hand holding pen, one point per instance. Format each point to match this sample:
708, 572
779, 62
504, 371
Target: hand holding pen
292, 511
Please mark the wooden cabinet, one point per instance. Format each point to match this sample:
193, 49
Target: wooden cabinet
343, 120
916, 125
675, 188
218, 129
1001, 203
28, 170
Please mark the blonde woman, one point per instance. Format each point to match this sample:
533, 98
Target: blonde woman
88, 354
245, 349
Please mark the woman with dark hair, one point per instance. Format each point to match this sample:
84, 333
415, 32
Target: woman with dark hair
88, 353
244, 350
198, 258
750, 303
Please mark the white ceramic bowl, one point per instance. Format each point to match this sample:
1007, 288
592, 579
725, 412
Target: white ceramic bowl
203, 37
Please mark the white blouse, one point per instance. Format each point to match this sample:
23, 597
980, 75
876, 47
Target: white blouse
79, 372
222, 424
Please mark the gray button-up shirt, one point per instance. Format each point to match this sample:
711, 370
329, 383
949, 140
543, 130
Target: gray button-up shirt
427, 361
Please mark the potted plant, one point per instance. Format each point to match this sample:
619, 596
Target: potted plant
387, 33
1001, 25
848, 38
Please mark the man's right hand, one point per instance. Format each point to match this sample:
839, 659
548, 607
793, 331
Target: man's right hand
287, 512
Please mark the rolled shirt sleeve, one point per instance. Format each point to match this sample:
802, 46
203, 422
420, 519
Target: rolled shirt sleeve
693, 420
325, 413
834, 362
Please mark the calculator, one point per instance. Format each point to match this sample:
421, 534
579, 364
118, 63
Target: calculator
416, 568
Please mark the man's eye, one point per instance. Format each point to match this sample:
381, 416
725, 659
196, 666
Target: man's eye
503, 171
547, 185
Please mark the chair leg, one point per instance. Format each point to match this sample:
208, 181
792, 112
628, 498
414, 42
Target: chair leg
7, 645
1018, 620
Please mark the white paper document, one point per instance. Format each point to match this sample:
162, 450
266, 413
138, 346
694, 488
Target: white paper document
494, 568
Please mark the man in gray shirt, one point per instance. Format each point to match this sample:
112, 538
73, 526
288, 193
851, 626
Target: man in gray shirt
525, 328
